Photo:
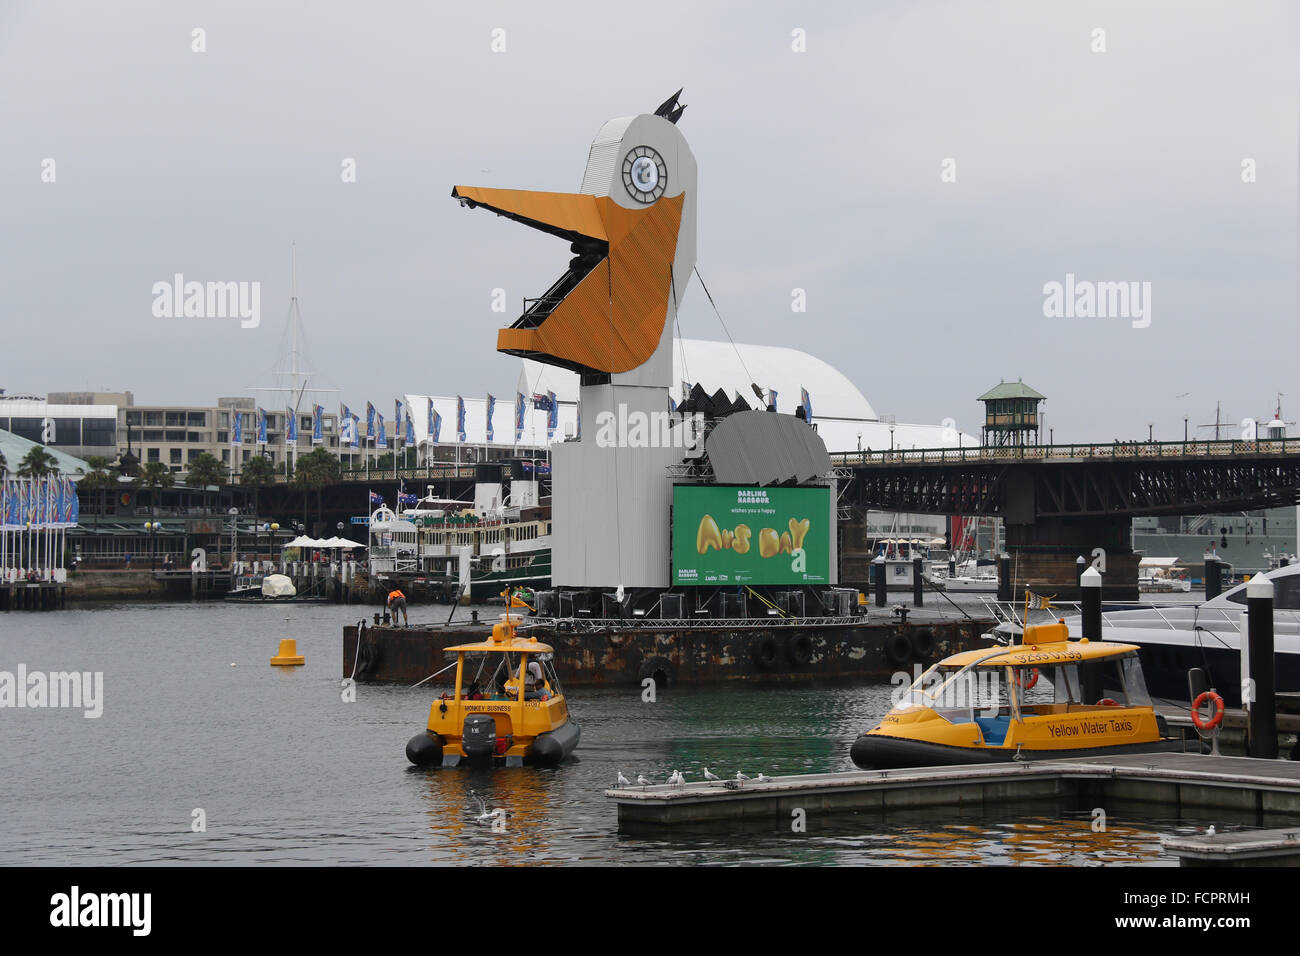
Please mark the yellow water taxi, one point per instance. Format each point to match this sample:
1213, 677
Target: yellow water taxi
1045, 697
507, 707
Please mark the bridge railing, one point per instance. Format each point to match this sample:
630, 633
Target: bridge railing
1111, 450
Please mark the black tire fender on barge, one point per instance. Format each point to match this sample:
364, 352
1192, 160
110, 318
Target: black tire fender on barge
767, 651
898, 649
923, 643
659, 669
368, 657
799, 649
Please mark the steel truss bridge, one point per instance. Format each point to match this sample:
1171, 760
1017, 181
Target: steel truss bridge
1121, 479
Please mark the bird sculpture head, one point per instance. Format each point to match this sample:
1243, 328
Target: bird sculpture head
631, 229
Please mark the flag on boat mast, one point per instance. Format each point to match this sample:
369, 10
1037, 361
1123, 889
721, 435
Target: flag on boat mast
491, 407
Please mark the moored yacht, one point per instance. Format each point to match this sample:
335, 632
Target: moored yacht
1174, 638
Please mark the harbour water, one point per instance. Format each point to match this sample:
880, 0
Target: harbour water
281, 770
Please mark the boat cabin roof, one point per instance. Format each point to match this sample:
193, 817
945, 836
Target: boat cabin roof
1040, 654
517, 645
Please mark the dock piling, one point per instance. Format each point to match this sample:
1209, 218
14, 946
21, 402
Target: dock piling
1213, 578
917, 580
1259, 694
1090, 603
879, 566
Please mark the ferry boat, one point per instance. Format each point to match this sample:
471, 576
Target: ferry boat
1048, 697
502, 546
492, 716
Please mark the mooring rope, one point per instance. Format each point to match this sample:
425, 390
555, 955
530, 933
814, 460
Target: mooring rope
432, 676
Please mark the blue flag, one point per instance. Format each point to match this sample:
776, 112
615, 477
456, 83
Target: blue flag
460, 419
290, 426
381, 440
519, 416
491, 407
806, 402
237, 433
370, 420
318, 425
261, 426
552, 415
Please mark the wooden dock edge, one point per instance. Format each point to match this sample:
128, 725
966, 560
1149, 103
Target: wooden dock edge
1184, 782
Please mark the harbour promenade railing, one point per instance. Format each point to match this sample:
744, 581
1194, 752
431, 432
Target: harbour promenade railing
1097, 450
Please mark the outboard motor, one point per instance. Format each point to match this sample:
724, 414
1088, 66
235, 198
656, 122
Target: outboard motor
479, 736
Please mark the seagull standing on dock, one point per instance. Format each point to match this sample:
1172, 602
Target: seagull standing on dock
676, 780
710, 776
740, 776
623, 781
641, 779
763, 778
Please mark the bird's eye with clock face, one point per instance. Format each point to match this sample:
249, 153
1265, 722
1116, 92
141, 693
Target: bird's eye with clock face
645, 176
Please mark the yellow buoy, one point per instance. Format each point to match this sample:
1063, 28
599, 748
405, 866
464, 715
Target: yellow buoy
288, 655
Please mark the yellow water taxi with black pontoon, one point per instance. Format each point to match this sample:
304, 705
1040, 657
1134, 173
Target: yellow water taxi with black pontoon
1045, 697
507, 706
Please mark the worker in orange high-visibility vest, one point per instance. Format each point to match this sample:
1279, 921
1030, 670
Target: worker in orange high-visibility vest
397, 602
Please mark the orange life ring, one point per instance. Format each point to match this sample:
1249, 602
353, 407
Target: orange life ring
1026, 684
1218, 711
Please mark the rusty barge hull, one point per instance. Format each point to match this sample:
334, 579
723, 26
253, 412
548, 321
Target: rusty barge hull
615, 655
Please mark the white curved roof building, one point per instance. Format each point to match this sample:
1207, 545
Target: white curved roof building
844, 418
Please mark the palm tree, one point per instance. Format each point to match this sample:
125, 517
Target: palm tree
257, 471
155, 475
37, 463
314, 472
205, 470
100, 478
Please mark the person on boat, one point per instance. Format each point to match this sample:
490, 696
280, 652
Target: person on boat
396, 603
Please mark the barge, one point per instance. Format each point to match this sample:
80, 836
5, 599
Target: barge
626, 652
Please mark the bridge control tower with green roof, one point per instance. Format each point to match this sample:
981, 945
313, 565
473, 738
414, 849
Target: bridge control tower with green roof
1011, 415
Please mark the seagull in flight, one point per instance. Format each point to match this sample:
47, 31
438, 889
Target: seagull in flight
623, 781
710, 776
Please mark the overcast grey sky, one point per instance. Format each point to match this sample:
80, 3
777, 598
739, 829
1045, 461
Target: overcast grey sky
819, 170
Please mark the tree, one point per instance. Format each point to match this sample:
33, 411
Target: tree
314, 472
205, 470
155, 475
4, 465
257, 471
100, 478
37, 463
